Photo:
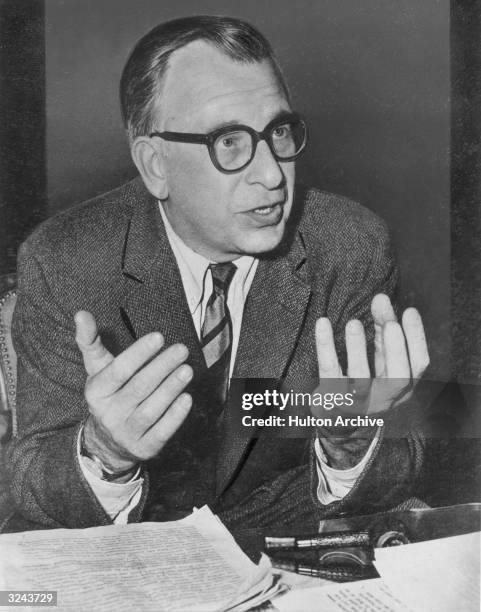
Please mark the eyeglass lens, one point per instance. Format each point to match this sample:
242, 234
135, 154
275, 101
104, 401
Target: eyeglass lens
234, 150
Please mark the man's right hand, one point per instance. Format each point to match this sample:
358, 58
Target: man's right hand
136, 399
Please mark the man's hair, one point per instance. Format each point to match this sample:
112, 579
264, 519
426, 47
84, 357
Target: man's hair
142, 77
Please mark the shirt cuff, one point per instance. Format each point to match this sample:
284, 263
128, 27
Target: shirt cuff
117, 499
336, 484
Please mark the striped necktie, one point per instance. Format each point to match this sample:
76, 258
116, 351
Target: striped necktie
216, 333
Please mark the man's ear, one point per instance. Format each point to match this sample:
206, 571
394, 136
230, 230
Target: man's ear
148, 158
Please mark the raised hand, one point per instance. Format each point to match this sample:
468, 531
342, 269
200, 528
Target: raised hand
400, 359
400, 356
136, 400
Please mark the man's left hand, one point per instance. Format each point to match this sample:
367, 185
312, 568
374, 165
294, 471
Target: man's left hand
400, 359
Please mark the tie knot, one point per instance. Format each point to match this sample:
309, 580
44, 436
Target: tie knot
222, 275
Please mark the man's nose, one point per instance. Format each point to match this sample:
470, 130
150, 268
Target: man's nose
264, 168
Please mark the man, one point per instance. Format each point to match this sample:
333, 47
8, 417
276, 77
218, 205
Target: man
211, 266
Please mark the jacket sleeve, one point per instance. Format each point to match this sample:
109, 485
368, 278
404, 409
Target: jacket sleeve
395, 464
47, 484
372, 271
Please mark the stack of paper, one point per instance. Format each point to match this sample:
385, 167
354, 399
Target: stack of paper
434, 576
192, 565
364, 596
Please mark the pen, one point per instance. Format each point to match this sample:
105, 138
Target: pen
326, 540
340, 573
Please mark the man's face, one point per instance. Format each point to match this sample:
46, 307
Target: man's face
222, 216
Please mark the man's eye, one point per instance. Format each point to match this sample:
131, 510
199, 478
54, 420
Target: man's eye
230, 141
281, 131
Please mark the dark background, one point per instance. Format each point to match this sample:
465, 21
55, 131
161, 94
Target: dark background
373, 80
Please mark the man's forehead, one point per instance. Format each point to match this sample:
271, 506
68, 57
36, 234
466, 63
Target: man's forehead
202, 82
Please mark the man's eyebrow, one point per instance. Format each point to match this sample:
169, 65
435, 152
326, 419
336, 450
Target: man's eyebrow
232, 122
222, 124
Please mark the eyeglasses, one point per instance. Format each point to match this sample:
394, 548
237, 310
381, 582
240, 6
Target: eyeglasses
233, 147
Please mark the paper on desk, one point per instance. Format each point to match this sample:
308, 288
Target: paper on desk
193, 564
438, 575
363, 596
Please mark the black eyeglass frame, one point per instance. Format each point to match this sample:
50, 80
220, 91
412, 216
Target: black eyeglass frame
266, 134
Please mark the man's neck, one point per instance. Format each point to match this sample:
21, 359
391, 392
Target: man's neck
189, 242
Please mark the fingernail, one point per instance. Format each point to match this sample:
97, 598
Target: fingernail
381, 299
411, 315
156, 338
354, 326
323, 324
185, 400
184, 373
180, 351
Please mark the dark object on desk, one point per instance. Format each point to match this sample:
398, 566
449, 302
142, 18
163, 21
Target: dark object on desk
338, 573
418, 524
340, 555
338, 564
307, 554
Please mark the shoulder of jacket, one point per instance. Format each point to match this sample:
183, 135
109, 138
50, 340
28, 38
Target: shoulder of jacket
339, 222
90, 225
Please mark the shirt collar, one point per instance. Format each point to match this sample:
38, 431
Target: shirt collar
193, 266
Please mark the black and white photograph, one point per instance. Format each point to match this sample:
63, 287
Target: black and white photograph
240, 331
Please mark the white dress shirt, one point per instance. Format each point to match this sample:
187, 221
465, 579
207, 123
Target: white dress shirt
118, 500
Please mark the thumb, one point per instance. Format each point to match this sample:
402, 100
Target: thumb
94, 353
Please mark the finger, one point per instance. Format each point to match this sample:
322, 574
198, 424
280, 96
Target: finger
416, 341
146, 414
382, 312
173, 418
95, 355
395, 352
326, 350
149, 377
357, 364
125, 365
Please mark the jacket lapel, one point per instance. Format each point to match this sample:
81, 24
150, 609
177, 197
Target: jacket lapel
274, 312
154, 298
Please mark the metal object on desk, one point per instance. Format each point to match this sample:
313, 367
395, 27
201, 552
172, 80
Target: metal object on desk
391, 538
338, 573
333, 539
338, 556
417, 524
378, 538
344, 548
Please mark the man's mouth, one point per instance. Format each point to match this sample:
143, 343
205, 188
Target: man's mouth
265, 210
267, 215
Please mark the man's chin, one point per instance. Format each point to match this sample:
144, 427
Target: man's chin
266, 240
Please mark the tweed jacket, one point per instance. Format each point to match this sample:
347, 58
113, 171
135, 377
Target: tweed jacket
111, 256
